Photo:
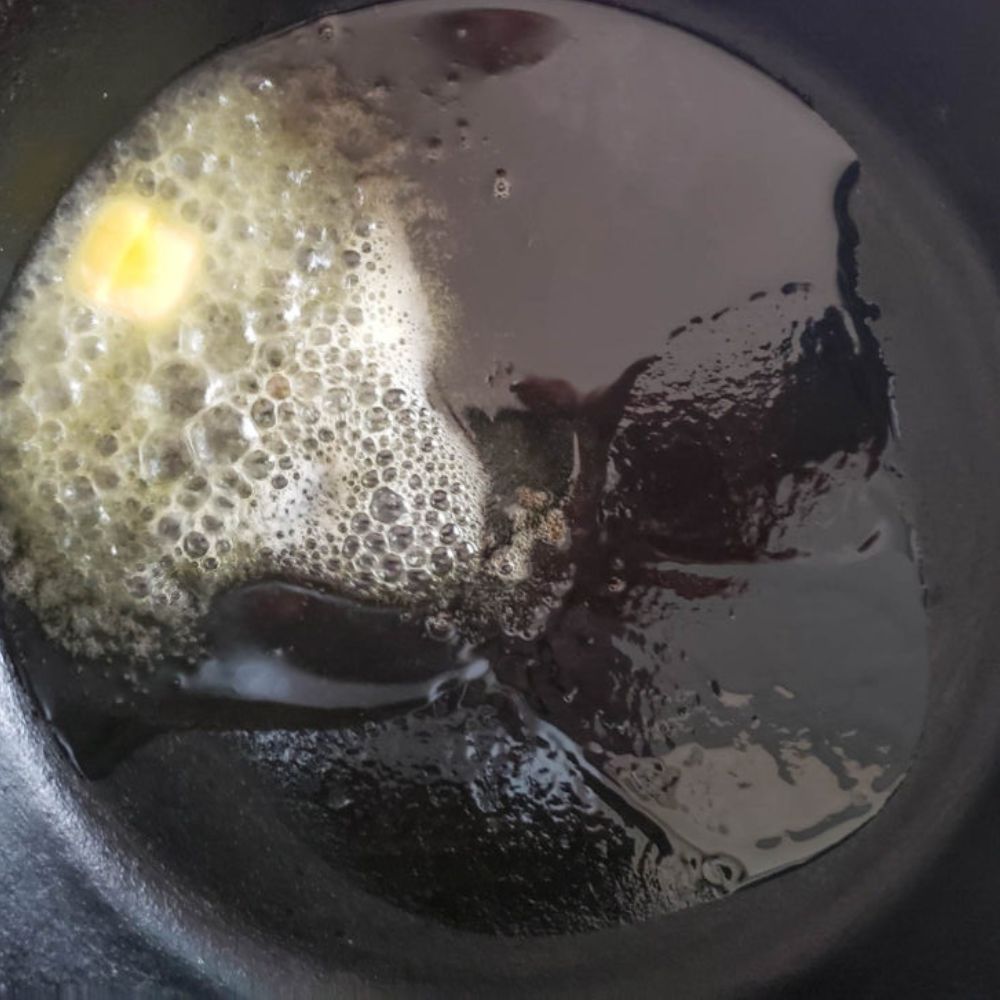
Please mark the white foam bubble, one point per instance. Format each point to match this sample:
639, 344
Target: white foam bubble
284, 402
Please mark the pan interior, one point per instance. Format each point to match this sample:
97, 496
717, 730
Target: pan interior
274, 823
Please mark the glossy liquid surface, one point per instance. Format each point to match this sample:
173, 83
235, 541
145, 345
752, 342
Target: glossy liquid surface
694, 653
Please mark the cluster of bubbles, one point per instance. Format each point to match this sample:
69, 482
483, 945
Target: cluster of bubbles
280, 421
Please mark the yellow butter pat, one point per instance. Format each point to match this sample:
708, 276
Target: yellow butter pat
133, 262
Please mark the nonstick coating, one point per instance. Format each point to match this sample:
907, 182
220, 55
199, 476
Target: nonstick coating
911, 85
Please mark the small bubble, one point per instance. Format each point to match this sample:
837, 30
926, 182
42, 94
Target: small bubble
386, 505
195, 544
501, 184
79, 490
187, 163
52, 393
441, 561
256, 83
105, 478
164, 457
278, 387
262, 413
218, 435
258, 464
11, 378
392, 568
241, 228
339, 399
169, 528
195, 493
145, 182
225, 340
274, 355
400, 537
210, 221
248, 383
179, 388
376, 419
168, 189
722, 871
50, 433
308, 383
394, 399
143, 143
212, 524
375, 542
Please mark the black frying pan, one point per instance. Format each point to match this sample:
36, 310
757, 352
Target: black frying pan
139, 861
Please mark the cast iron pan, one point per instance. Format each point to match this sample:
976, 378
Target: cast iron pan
910, 85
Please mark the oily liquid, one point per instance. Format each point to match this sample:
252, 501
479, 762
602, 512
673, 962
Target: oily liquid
693, 652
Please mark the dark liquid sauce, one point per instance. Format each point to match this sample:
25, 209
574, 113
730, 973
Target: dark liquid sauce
719, 671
